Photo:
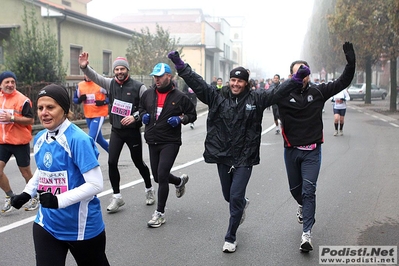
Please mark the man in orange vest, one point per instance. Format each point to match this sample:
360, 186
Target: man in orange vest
95, 108
16, 119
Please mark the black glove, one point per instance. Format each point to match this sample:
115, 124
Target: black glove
48, 200
303, 72
101, 103
18, 200
82, 98
175, 58
349, 53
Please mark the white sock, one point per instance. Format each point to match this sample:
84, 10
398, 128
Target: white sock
149, 189
181, 182
117, 196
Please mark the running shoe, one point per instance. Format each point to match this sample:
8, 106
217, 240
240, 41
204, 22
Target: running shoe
7, 205
229, 247
32, 204
299, 214
157, 220
150, 196
306, 243
243, 213
115, 204
180, 190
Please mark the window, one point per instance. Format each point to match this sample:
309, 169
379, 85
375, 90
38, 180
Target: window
66, 3
73, 60
107, 57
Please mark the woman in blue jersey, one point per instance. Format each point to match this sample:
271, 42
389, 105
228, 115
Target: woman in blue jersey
67, 179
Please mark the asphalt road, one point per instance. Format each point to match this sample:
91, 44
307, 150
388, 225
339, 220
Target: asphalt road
356, 203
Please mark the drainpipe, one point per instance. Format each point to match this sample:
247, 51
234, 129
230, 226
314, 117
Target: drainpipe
59, 35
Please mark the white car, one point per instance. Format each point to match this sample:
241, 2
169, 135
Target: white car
358, 91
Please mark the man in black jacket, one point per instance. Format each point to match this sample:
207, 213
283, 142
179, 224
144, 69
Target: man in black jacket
234, 127
163, 109
302, 130
124, 96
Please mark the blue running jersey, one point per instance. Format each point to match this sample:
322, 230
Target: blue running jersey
61, 163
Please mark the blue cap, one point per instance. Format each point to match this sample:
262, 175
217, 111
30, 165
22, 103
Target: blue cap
160, 69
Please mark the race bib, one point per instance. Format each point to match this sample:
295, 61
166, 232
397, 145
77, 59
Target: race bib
53, 182
121, 108
90, 99
310, 147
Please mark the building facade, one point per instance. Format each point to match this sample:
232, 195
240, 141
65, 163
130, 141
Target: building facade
208, 42
74, 30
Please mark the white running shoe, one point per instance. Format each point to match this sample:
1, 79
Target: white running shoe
180, 190
32, 204
150, 197
157, 220
243, 213
306, 243
115, 204
7, 205
299, 214
229, 247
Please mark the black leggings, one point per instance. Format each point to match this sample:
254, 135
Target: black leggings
52, 252
132, 138
162, 158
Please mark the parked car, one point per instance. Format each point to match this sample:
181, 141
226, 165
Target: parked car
358, 91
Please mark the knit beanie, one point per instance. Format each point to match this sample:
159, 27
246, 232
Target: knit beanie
120, 61
239, 72
7, 74
58, 93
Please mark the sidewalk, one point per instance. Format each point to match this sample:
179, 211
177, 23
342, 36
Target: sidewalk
378, 106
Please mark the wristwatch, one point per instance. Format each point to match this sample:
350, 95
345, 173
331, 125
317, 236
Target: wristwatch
12, 119
136, 116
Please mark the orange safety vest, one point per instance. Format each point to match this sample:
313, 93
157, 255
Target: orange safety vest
94, 93
10, 132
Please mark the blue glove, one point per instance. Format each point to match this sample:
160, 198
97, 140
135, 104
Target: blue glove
48, 200
146, 119
175, 58
302, 73
174, 121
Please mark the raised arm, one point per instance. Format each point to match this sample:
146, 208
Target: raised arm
93, 75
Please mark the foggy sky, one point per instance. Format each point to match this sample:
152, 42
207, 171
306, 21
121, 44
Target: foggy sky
274, 30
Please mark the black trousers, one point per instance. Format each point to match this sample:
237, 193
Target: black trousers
132, 138
162, 158
52, 252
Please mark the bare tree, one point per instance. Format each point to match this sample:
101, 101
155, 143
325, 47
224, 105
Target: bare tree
145, 50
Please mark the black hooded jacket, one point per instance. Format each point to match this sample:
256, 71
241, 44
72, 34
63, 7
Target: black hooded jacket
234, 124
158, 131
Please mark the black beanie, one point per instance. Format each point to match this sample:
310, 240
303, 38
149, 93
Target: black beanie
239, 72
7, 74
58, 93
